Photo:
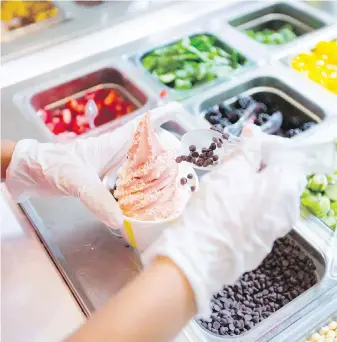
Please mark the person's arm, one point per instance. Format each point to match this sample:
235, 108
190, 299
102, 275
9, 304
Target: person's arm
7, 149
153, 307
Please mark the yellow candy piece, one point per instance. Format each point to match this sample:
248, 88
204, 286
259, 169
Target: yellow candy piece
320, 64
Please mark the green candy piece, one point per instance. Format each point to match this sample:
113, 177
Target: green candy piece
331, 191
333, 207
167, 78
330, 220
318, 182
180, 84
319, 205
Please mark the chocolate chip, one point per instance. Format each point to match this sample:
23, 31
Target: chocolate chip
285, 263
212, 146
215, 157
223, 330
192, 188
218, 145
195, 154
263, 291
190, 176
225, 136
192, 148
183, 181
215, 139
179, 160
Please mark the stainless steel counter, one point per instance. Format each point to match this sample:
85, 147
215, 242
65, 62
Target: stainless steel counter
36, 304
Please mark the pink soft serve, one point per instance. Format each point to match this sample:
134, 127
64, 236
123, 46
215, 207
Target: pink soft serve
146, 187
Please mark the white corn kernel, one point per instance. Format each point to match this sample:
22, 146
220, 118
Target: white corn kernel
332, 325
331, 334
316, 337
324, 330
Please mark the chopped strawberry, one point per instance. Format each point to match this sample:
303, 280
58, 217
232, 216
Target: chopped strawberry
50, 126
82, 121
57, 112
129, 108
45, 115
110, 98
75, 106
71, 117
59, 128
66, 116
163, 93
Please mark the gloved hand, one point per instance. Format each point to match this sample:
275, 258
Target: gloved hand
230, 225
75, 168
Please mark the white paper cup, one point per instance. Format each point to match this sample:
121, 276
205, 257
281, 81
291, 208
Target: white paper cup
141, 234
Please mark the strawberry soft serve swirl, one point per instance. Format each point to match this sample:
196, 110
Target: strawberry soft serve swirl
146, 187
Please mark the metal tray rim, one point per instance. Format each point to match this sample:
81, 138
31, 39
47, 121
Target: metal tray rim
309, 293
277, 71
23, 31
22, 99
269, 50
179, 94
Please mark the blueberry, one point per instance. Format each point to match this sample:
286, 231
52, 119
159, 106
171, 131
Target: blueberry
245, 101
213, 111
260, 108
261, 119
308, 125
292, 132
224, 108
225, 122
233, 116
294, 122
213, 118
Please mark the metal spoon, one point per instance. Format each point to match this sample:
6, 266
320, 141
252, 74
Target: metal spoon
273, 124
236, 128
203, 137
91, 111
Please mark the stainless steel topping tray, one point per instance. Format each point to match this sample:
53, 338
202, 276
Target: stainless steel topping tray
320, 314
286, 58
274, 21
76, 20
104, 75
7, 36
275, 15
267, 328
303, 17
267, 82
181, 94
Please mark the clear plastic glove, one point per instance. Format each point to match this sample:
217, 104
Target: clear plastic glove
75, 169
230, 225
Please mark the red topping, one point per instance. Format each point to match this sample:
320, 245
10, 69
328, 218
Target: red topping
66, 116
163, 93
71, 116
